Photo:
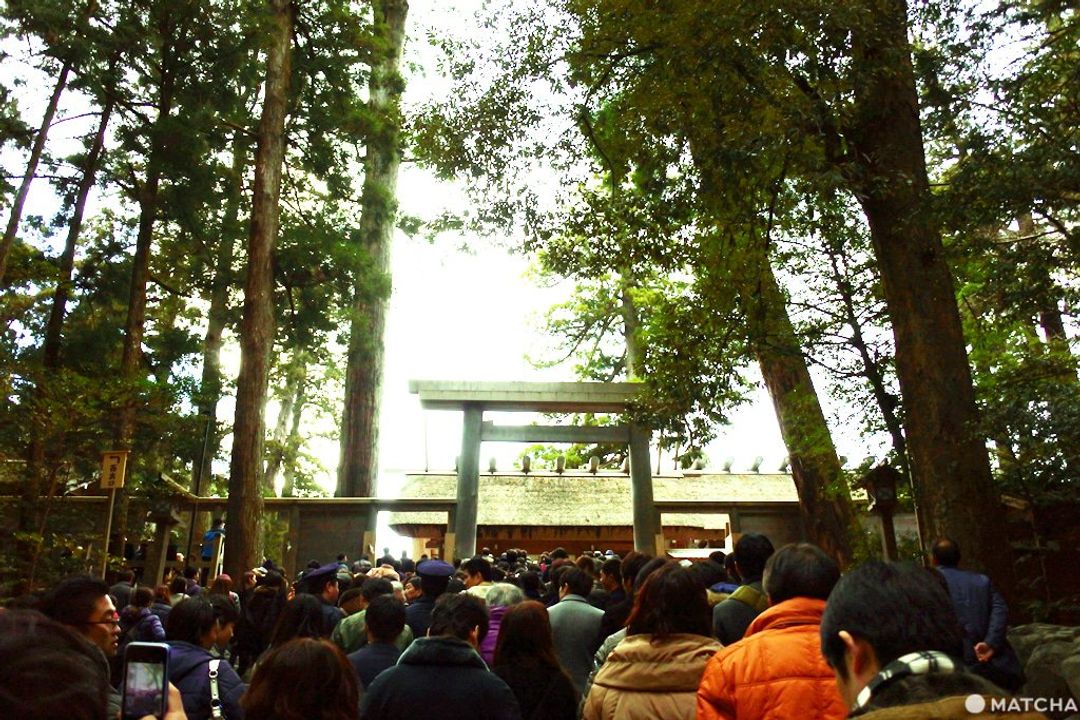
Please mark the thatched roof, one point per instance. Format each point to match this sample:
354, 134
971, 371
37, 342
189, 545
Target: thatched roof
582, 499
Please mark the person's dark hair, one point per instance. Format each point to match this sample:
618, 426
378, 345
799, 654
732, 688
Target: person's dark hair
898, 608
125, 576
303, 679
222, 585
385, 618
671, 601
302, 617
162, 594
73, 599
800, 570
632, 564
142, 597
530, 582
457, 615
177, 585
647, 569
350, 595
374, 587
587, 564
731, 570
752, 551
708, 572
555, 572
190, 572
576, 581
190, 620
478, 566
718, 557
559, 554
49, 671
414, 581
455, 586
218, 522
525, 636
612, 567
946, 552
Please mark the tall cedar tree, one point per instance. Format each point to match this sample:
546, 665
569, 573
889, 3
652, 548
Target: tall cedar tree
257, 327
358, 467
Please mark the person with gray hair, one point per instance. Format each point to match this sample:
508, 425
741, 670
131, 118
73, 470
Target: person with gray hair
500, 596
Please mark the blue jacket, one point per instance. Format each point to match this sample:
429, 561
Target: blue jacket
189, 671
982, 611
372, 659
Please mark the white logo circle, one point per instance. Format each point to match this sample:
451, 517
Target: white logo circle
974, 704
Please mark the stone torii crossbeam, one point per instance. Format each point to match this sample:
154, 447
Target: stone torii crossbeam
474, 398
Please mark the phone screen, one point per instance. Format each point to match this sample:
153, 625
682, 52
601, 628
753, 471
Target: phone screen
144, 689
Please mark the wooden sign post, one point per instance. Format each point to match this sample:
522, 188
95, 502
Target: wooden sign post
113, 467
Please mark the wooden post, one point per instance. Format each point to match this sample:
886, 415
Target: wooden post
108, 531
154, 570
468, 483
645, 515
289, 561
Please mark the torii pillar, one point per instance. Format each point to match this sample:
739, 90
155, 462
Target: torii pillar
473, 398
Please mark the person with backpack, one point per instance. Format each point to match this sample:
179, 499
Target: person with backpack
138, 623
208, 685
731, 617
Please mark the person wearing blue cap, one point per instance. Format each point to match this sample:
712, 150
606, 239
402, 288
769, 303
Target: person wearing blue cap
323, 584
434, 577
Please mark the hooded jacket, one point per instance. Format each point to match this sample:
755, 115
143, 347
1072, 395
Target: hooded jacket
442, 674
643, 680
776, 671
189, 671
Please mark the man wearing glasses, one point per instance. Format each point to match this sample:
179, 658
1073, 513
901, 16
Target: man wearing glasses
83, 603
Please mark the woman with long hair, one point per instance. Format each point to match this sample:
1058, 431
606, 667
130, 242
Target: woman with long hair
303, 679
670, 627
525, 660
259, 613
302, 617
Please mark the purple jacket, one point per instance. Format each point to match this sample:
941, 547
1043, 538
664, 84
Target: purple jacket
487, 645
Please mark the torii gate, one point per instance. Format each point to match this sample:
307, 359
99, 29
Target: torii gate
473, 398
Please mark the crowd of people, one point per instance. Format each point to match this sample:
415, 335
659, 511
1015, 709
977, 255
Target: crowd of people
776, 635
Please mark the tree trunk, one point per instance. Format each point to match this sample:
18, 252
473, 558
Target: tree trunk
245, 504
31, 168
631, 326
358, 465
872, 371
954, 490
292, 444
135, 325
217, 316
40, 439
287, 427
824, 499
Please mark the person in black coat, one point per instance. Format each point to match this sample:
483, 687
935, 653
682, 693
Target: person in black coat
444, 671
434, 578
384, 620
525, 659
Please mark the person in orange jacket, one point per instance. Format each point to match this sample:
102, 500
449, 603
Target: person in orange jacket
777, 672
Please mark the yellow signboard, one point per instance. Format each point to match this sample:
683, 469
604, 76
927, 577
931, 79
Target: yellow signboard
113, 464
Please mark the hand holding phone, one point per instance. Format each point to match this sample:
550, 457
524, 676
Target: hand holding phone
146, 681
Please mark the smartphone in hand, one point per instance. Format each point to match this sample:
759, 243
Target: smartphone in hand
146, 680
